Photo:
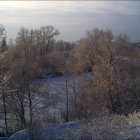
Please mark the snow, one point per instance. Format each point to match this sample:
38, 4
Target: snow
71, 129
56, 88
20, 135
51, 131
99, 129
4, 138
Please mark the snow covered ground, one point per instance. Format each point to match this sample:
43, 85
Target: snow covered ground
111, 127
56, 88
117, 127
4, 138
108, 128
51, 132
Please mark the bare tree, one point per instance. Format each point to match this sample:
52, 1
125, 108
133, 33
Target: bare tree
4, 79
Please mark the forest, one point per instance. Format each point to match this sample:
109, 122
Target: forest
95, 80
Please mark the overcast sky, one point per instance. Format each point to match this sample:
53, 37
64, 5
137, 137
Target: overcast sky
73, 18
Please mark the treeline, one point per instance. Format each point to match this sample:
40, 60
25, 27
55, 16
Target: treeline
111, 65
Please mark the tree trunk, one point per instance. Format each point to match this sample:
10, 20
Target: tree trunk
67, 99
31, 116
75, 97
22, 118
5, 112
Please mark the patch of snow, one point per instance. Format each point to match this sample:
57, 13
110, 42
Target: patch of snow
20, 135
51, 131
2, 138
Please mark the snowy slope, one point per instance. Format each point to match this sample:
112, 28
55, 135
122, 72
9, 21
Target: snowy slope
50, 132
4, 138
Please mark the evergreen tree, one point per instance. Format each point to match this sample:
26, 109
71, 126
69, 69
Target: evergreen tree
3, 45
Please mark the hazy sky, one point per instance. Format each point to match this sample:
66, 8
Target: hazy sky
73, 18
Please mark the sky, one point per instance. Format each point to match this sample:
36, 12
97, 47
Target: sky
72, 18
